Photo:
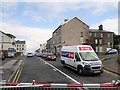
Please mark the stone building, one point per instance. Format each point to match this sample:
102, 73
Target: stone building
117, 42
71, 32
101, 40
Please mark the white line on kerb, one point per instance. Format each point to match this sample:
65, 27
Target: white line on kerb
60, 71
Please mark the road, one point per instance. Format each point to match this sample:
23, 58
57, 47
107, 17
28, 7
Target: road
35, 68
43, 71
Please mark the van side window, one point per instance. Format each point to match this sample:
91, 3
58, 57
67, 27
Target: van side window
77, 56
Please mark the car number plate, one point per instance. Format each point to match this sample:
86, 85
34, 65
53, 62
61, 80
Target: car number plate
96, 71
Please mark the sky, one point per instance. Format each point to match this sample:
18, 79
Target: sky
35, 20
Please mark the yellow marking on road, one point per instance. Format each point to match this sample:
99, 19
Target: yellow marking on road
111, 73
19, 75
16, 74
102, 59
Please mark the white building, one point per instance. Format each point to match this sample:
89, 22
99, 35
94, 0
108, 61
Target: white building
20, 47
6, 41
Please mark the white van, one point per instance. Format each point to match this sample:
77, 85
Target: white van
81, 58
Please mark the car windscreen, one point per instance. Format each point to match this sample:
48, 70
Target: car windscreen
89, 56
51, 55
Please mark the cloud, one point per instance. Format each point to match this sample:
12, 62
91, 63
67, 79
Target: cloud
108, 24
59, 0
33, 36
47, 11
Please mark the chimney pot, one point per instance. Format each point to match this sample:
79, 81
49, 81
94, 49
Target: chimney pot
101, 27
65, 20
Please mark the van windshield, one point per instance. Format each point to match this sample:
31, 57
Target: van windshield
89, 56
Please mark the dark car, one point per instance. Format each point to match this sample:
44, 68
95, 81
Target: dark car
2, 56
51, 57
44, 55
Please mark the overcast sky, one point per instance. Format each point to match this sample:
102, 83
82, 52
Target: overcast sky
34, 22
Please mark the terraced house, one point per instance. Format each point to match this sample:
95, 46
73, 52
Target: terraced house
101, 40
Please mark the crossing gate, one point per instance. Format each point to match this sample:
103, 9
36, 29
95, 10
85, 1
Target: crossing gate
4, 85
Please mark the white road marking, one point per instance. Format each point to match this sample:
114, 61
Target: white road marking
54, 69
60, 71
64, 74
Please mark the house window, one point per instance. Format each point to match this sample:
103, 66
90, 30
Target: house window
101, 35
108, 35
17, 48
108, 44
96, 48
100, 41
90, 34
100, 48
22, 45
22, 48
95, 34
81, 34
96, 41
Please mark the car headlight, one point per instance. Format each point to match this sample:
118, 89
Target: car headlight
86, 63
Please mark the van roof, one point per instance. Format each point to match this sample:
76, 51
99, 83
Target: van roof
78, 48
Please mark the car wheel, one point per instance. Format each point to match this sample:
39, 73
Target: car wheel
64, 65
80, 71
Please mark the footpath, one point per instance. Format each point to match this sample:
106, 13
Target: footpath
110, 63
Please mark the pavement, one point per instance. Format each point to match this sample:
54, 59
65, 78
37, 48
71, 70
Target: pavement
110, 63
8, 67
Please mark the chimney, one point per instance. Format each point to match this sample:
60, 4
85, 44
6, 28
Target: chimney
65, 20
101, 27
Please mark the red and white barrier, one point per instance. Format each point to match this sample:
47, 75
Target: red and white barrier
12, 84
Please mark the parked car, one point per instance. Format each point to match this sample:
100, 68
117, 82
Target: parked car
44, 55
29, 55
40, 55
36, 54
112, 51
2, 56
50, 57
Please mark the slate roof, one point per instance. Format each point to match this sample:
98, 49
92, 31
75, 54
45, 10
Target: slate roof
97, 30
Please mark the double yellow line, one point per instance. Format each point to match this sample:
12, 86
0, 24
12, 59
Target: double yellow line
17, 76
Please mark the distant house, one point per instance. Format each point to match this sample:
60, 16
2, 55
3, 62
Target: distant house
6, 41
71, 32
101, 40
20, 47
49, 46
37, 51
43, 48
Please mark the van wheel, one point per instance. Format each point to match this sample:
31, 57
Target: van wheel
64, 65
80, 71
